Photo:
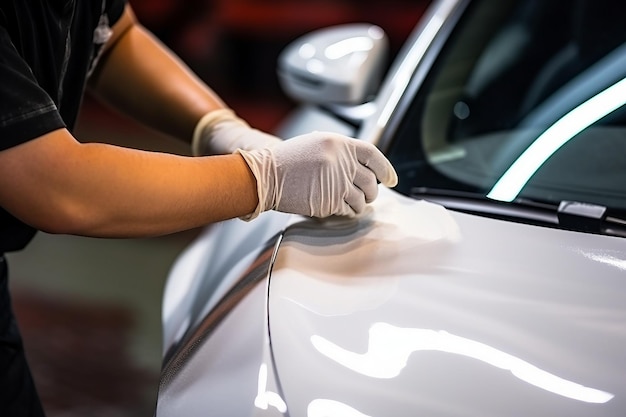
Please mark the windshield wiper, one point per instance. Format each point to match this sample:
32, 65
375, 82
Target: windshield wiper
570, 215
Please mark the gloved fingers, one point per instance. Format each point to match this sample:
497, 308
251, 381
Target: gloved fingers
319, 174
371, 157
353, 202
365, 180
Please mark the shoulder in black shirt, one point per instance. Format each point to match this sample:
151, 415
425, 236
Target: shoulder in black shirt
46, 50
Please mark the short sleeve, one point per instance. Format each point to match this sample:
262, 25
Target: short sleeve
26, 110
114, 9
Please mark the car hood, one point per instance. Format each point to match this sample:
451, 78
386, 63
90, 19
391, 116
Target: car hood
414, 309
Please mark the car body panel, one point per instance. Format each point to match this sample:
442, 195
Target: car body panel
209, 370
211, 266
448, 314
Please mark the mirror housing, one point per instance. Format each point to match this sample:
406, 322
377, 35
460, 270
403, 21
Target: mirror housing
341, 64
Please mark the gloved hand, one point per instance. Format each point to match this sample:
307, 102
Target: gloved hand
222, 132
318, 174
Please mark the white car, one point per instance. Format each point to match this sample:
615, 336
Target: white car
490, 282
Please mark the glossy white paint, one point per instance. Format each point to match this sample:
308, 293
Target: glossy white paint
209, 267
223, 364
221, 377
448, 314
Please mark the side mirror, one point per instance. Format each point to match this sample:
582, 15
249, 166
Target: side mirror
341, 64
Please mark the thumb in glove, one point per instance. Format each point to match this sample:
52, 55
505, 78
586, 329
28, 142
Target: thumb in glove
222, 132
318, 174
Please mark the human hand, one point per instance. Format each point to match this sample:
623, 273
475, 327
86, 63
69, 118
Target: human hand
222, 132
318, 174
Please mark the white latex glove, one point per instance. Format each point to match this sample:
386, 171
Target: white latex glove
222, 132
318, 174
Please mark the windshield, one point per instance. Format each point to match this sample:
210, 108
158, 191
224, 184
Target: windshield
526, 100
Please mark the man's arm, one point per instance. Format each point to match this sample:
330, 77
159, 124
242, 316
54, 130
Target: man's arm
142, 78
59, 185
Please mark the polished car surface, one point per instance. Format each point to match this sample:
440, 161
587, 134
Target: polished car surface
490, 281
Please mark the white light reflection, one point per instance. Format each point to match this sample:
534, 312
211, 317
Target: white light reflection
376, 32
348, 46
390, 347
589, 112
315, 66
264, 398
307, 51
607, 259
402, 77
330, 408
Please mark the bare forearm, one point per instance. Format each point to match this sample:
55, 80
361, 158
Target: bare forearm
142, 78
106, 191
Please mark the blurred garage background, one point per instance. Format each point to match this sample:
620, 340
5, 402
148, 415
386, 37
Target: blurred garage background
89, 309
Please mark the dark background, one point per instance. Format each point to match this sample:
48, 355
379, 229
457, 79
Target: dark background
89, 309
234, 44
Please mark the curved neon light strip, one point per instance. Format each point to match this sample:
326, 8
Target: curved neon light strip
515, 178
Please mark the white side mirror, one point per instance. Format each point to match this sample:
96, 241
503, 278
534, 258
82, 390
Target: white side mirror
341, 64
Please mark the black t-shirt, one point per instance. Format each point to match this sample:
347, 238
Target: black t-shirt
47, 48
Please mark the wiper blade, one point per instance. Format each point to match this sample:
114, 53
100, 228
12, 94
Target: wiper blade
570, 215
581, 216
591, 218
475, 203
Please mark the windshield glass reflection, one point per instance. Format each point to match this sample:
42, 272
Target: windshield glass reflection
524, 100
515, 178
